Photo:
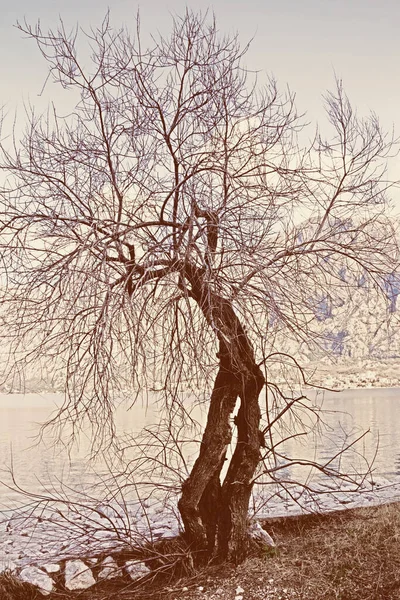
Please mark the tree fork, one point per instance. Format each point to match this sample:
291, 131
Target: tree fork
240, 375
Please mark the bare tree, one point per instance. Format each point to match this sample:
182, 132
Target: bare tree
151, 238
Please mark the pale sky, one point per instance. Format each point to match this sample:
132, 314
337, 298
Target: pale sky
302, 43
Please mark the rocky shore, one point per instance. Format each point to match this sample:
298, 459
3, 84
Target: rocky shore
80, 574
54, 550
346, 555
73, 574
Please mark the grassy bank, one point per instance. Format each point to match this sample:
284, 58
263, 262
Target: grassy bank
348, 555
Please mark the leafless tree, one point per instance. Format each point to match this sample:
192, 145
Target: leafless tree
152, 237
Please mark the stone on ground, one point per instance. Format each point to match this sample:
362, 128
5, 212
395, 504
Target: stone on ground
78, 576
52, 567
38, 578
109, 569
136, 569
6, 564
259, 534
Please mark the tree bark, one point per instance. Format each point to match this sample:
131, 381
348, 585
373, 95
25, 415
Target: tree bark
210, 512
237, 485
202, 489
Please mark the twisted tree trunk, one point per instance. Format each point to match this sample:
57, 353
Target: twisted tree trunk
215, 515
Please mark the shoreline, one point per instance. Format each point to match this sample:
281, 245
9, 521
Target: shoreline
359, 373
48, 537
347, 555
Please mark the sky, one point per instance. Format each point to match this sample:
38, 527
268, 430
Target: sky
304, 44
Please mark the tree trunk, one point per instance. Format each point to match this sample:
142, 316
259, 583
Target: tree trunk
201, 491
237, 485
210, 512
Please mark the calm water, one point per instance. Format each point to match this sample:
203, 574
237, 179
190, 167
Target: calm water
40, 467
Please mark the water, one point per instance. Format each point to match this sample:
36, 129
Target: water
348, 415
32, 460
41, 467
364, 419
376, 411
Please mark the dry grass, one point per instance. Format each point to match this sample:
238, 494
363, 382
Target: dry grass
13, 589
348, 555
